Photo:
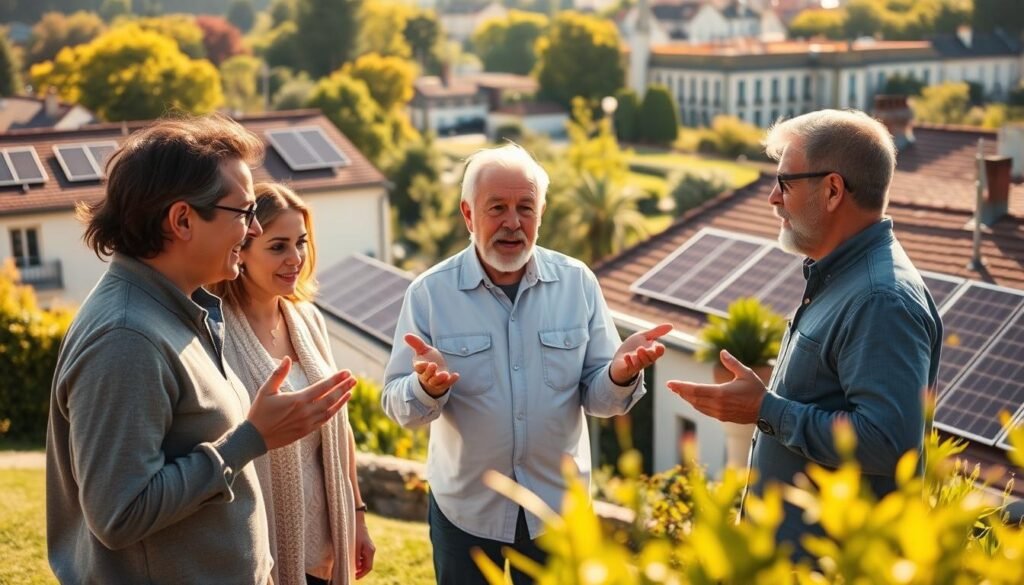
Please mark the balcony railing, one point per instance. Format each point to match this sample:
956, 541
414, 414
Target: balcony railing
42, 276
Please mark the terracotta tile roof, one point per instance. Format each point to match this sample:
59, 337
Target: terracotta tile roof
746, 47
502, 81
432, 86
60, 194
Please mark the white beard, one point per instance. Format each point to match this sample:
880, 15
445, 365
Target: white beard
499, 262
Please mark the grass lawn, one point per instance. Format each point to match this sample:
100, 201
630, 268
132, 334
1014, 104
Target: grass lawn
737, 174
403, 549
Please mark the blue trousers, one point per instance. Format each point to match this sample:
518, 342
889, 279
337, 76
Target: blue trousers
452, 563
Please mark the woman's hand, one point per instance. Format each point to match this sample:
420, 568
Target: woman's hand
364, 547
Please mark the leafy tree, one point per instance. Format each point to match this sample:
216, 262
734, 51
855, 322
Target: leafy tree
221, 40
440, 231
593, 148
328, 34
382, 30
294, 93
282, 47
729, 136
130, 73
606, 210
242, 14
627, 115
424, 35
691, 189
55, 31
898, 84
659, 122
29, 342
348, 104
240, 79
10, 80
946, 103
816, 22
282, 11
112, 9
507, 43
863, 18
420, 159
579, 57
180, 27
389, 79
992, 14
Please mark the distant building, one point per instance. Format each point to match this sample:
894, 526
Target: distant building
45, 173
461, 19
702, 21
21, 112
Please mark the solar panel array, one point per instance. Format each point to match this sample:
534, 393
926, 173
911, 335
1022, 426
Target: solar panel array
307, 148
21, 166
982, 369
364, 292
84, 161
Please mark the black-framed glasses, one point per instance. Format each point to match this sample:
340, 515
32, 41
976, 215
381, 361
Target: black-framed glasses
782, 178
248, 212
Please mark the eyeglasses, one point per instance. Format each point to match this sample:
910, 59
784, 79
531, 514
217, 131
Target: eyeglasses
781, 178
249, 212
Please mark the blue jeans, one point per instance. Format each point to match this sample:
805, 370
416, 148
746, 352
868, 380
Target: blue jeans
452, 563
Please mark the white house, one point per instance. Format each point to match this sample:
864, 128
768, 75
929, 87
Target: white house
545, 118
702, 21
460, 20
20, 112
45, 173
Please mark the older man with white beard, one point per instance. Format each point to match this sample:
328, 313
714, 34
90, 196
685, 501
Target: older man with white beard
502, 349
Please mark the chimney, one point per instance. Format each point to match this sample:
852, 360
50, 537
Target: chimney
446, 74
895, 113
1011, 144
965, 34
51, 105
995, 201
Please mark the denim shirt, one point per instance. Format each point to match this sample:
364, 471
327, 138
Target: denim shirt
529, 368
863, 345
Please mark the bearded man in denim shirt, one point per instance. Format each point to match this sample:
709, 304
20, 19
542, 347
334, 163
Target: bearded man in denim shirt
502, 349
863, 345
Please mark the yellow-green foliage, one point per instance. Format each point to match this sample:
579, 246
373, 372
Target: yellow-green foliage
29, 341
751, 333
375, 432
937, 527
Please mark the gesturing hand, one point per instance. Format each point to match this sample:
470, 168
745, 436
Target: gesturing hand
738, 401
284, 417
430, 367
639, 351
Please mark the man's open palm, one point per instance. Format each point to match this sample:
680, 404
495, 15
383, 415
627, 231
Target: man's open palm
430, 367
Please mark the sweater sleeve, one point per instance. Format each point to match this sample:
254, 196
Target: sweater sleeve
119, 418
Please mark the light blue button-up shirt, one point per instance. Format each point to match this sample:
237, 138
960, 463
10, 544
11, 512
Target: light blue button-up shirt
529, 369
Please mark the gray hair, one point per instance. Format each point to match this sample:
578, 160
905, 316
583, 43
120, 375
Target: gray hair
848, 142
509, 156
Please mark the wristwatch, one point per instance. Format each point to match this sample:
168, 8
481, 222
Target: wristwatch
361, 508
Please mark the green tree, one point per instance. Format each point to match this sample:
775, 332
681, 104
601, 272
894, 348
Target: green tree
819, 22
627, 115
54, 31
240, 79
579, 57
424, 35
659, 122
130, 73
328, 29
420, 159
29, 342
180, 27
593, 148
607, 211
382, 30
508, 43
348, 104
863, 18
691, 189
992, 14
10, 80
898, 84
282, 47
112, 9
440, 231
388, 78
293, 93
946, 103
282, 11
242, 14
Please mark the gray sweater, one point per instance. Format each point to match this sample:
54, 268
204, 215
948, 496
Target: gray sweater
148, 449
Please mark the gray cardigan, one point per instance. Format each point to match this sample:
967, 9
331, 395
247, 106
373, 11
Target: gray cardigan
148, 449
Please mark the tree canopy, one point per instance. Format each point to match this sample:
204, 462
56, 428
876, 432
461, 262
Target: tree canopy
579, 57
508, 43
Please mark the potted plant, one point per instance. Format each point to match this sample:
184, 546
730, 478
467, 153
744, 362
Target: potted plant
752, 333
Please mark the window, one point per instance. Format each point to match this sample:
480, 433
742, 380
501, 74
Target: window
741, 116
679, 89
704, 91
807, 87
851, 98
880, 84
693, 89
25, 247
927, 76
757, 118
741, 93
757, 91
718, 92
791, 93
687, 431
775, 90
775, 116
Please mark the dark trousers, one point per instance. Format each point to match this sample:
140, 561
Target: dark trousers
452, 563
311, 580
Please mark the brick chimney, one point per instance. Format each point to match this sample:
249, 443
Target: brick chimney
995, 201
895, 113
51, 105
965, 34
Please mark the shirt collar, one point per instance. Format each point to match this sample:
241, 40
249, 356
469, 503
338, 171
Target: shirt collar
849, 251
193, 309
472, 272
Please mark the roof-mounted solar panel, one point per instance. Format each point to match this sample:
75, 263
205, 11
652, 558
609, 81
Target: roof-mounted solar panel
307, 148
84, 161
21, 166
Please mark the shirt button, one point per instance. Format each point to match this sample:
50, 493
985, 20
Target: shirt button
464, 350
513, 317
807, 301
516, 367
519, 416
567, 342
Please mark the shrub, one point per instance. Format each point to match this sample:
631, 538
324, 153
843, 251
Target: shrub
691, 189
375, 432
509, 131
659, 122
627, 115
751, 333
29, 342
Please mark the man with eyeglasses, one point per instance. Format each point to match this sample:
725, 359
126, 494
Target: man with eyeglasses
151, 434
863, 345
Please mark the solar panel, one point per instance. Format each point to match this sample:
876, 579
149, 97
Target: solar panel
991, 384
101, 152
84, 161
21, 167
366, 293
698, 267
969, 324
941, 286
1017, 421
762, 278
306, 148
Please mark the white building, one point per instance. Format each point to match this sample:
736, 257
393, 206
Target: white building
45, 173
702, 21
460, 20
759, 82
